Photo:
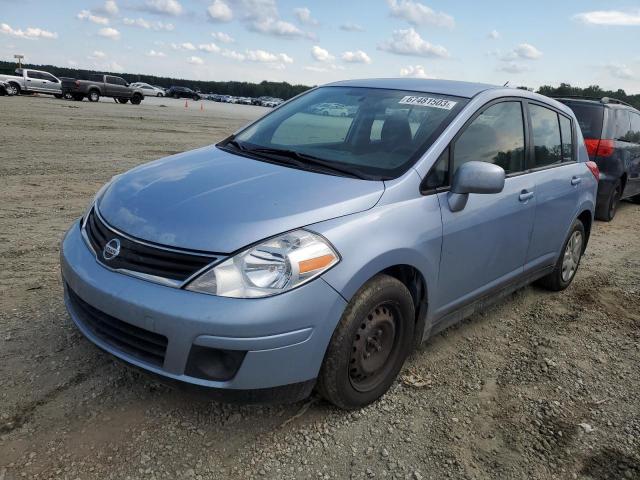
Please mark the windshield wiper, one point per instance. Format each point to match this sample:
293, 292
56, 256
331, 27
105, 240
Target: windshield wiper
304, 159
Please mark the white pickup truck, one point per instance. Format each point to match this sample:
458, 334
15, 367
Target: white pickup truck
27, 80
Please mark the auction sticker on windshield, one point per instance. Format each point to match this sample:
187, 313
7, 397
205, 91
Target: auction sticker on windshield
428, 102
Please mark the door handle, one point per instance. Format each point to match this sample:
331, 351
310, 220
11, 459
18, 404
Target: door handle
576, 180
525, 195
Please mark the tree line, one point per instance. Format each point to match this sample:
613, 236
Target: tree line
286, 90
593, 91
239, 89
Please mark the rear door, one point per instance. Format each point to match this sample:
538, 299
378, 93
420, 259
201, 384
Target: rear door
485, 244
34, 81
558, 178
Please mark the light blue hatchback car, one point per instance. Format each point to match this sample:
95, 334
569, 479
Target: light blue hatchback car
320, 244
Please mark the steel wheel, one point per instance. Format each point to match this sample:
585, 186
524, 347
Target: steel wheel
373, 348
571, 258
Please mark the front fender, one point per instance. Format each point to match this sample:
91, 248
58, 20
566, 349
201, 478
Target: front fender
402, 233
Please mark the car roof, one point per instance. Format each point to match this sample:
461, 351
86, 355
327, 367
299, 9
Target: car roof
443, 87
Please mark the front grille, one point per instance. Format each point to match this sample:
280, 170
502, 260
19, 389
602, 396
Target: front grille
143, 258
148, 346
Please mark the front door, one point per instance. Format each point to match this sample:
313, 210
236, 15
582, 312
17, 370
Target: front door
485, 244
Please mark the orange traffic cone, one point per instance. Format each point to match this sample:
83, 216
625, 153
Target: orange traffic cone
186, 104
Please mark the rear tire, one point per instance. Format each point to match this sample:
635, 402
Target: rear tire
608, 211
369, 345
567, 265
94, 96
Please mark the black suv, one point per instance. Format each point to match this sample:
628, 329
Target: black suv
611, 130
182, 92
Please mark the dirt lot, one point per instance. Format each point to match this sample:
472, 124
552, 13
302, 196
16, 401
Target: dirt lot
540, 386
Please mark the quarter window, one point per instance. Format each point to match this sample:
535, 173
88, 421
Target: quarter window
546, 136
495, 136
634, 136
567, 142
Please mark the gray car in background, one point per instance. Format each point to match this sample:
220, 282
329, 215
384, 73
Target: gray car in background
612, 135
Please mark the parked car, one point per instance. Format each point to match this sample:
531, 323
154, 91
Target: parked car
97, 86
612, 134
272, 102
6, 89
287, 257
149, 90
27, 80
182, 92
332, 109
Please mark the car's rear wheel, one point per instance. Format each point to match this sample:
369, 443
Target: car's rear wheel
369, 345
94, 96
608, 211
569, 261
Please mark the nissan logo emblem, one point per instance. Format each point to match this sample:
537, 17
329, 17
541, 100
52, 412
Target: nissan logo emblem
111, 249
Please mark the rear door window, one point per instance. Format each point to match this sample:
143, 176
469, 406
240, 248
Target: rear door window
619, 124
547, 142
495, 136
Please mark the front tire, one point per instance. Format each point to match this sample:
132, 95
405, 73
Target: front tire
94, 96
369, 345
567, 265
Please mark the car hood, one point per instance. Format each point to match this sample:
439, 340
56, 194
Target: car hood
212, 200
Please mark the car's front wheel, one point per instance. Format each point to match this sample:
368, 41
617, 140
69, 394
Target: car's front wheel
569, 261
369, 345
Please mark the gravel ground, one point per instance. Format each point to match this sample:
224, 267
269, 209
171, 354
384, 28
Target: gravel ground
539, 386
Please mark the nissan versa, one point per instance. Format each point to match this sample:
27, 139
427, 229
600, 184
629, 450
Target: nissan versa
317, 250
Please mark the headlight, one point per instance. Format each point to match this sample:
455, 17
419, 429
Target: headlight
274, 266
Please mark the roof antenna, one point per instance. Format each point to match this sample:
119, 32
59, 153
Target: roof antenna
506, 83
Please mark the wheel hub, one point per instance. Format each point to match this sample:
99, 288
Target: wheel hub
372, 346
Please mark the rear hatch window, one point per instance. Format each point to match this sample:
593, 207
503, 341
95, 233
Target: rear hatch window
589, 117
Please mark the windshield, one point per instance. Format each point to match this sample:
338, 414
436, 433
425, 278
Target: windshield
369, 132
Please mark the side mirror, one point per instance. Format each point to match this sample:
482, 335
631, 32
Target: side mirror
474, 177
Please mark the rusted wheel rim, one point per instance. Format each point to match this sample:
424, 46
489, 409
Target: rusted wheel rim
373, 348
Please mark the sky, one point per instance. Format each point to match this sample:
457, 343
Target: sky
314, 42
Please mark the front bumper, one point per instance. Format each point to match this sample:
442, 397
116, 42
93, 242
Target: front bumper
284, 336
